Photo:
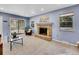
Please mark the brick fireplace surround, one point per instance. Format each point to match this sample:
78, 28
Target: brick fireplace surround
49, 31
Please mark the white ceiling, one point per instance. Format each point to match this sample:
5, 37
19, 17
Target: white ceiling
29, 10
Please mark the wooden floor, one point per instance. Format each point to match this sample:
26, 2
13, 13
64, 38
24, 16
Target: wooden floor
36, 46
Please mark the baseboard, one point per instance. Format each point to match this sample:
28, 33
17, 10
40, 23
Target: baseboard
64, 42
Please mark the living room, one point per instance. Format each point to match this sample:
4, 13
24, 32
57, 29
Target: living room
42, 31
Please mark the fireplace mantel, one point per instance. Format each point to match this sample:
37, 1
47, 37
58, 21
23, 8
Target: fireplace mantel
44, 24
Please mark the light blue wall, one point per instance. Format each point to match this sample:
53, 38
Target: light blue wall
57, 34
6, 17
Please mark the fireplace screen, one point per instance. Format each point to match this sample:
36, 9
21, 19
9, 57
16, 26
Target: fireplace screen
43, 31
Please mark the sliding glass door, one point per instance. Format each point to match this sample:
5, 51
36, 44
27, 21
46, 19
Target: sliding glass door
16, 26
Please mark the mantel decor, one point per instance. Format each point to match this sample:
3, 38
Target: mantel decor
44, 18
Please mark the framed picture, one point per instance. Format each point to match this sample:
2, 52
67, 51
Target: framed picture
32, 23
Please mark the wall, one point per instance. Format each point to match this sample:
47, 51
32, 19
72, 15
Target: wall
1, 28
57, 34
5, 22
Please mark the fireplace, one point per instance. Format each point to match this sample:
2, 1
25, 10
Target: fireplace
43, 31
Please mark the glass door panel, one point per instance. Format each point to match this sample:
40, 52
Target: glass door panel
21, 26
13, 26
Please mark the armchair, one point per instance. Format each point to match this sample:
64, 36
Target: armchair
28, 31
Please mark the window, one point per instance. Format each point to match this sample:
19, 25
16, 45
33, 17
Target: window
66, 21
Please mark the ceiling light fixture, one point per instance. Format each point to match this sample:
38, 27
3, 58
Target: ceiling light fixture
33, 12
42, 9
1, 8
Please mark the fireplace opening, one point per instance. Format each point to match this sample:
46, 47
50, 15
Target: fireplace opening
43, 31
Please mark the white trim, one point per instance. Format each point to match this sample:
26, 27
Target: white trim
66, 29
68, 14
64, 42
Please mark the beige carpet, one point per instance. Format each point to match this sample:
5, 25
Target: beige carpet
36, 46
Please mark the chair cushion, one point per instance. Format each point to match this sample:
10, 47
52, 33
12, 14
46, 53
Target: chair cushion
29, 31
